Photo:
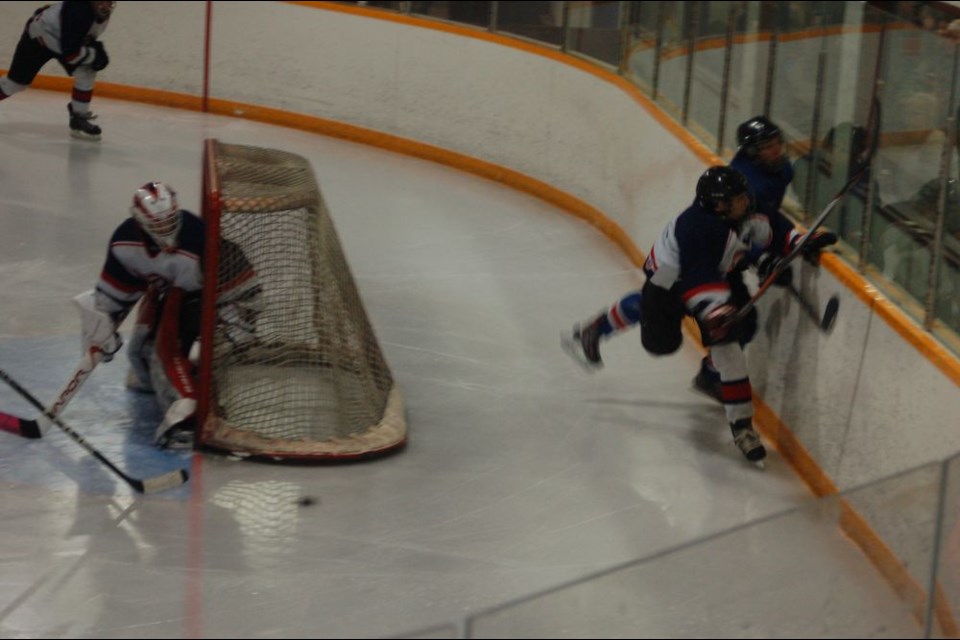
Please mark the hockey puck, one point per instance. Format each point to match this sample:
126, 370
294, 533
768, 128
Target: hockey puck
306, 501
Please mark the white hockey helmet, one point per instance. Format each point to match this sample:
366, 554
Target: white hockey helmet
156, 210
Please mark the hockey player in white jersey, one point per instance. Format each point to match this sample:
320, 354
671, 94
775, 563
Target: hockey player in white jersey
70, 33
695, 268
156, 257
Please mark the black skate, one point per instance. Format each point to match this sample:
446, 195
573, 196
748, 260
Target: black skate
177, 436
81, 126
748, 441
583, 344
708, 383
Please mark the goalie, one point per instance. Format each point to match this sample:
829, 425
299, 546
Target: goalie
156, 257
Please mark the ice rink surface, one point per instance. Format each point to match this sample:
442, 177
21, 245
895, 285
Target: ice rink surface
522, 472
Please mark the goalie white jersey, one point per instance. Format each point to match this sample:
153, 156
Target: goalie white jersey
134, 263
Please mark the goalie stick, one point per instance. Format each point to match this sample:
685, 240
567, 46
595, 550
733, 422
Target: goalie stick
35, 428
825, 323
162, 482
858, 174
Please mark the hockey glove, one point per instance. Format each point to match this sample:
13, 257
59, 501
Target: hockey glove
99, 329
100, 59
239, 324
768, 264
717, 326
818, 241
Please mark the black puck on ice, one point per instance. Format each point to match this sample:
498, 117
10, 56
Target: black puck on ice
307, 501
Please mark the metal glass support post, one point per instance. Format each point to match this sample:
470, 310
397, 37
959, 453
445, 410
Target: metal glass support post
691, 22
867, 223
811, 186
658, 50
727, 63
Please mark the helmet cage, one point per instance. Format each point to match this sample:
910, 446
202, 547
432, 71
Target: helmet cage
156, 210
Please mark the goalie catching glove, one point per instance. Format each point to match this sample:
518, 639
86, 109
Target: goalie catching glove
239, 323
98, 327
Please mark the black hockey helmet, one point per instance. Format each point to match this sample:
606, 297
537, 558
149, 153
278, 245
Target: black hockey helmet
755, 131
753, 134
719, 184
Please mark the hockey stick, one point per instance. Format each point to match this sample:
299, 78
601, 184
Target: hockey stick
858, 174
825, 323
35, 428
149, 485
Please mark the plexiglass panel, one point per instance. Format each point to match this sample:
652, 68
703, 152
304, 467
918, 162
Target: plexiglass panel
542, 21
595, 30
854, 565
641, 51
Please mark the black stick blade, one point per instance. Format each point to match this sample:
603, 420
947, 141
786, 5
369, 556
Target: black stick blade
830, 314
19, 426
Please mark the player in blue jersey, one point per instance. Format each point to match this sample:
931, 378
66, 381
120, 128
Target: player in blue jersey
695, 268
70, 33
761, 157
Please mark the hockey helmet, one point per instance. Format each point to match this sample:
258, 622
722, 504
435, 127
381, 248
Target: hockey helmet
720, 184
156, 210
102, 9
754, 133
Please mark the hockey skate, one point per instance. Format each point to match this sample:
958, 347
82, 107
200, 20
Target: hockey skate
81, 126
708, 383
748, 441
178, 436
179, 423
583, 344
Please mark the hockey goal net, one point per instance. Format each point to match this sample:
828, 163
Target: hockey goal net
300, 374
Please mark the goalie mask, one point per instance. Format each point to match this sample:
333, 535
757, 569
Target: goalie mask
156, 211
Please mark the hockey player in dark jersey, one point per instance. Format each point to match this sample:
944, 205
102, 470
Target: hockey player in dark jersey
156, 257
695, 268
70, 33
761, 157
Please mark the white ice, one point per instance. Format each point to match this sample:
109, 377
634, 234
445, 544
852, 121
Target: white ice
522, 473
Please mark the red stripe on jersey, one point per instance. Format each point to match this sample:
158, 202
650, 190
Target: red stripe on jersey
706, 288
121, 286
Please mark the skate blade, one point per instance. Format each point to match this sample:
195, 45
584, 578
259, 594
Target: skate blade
760, 464
80, 135
572, 347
